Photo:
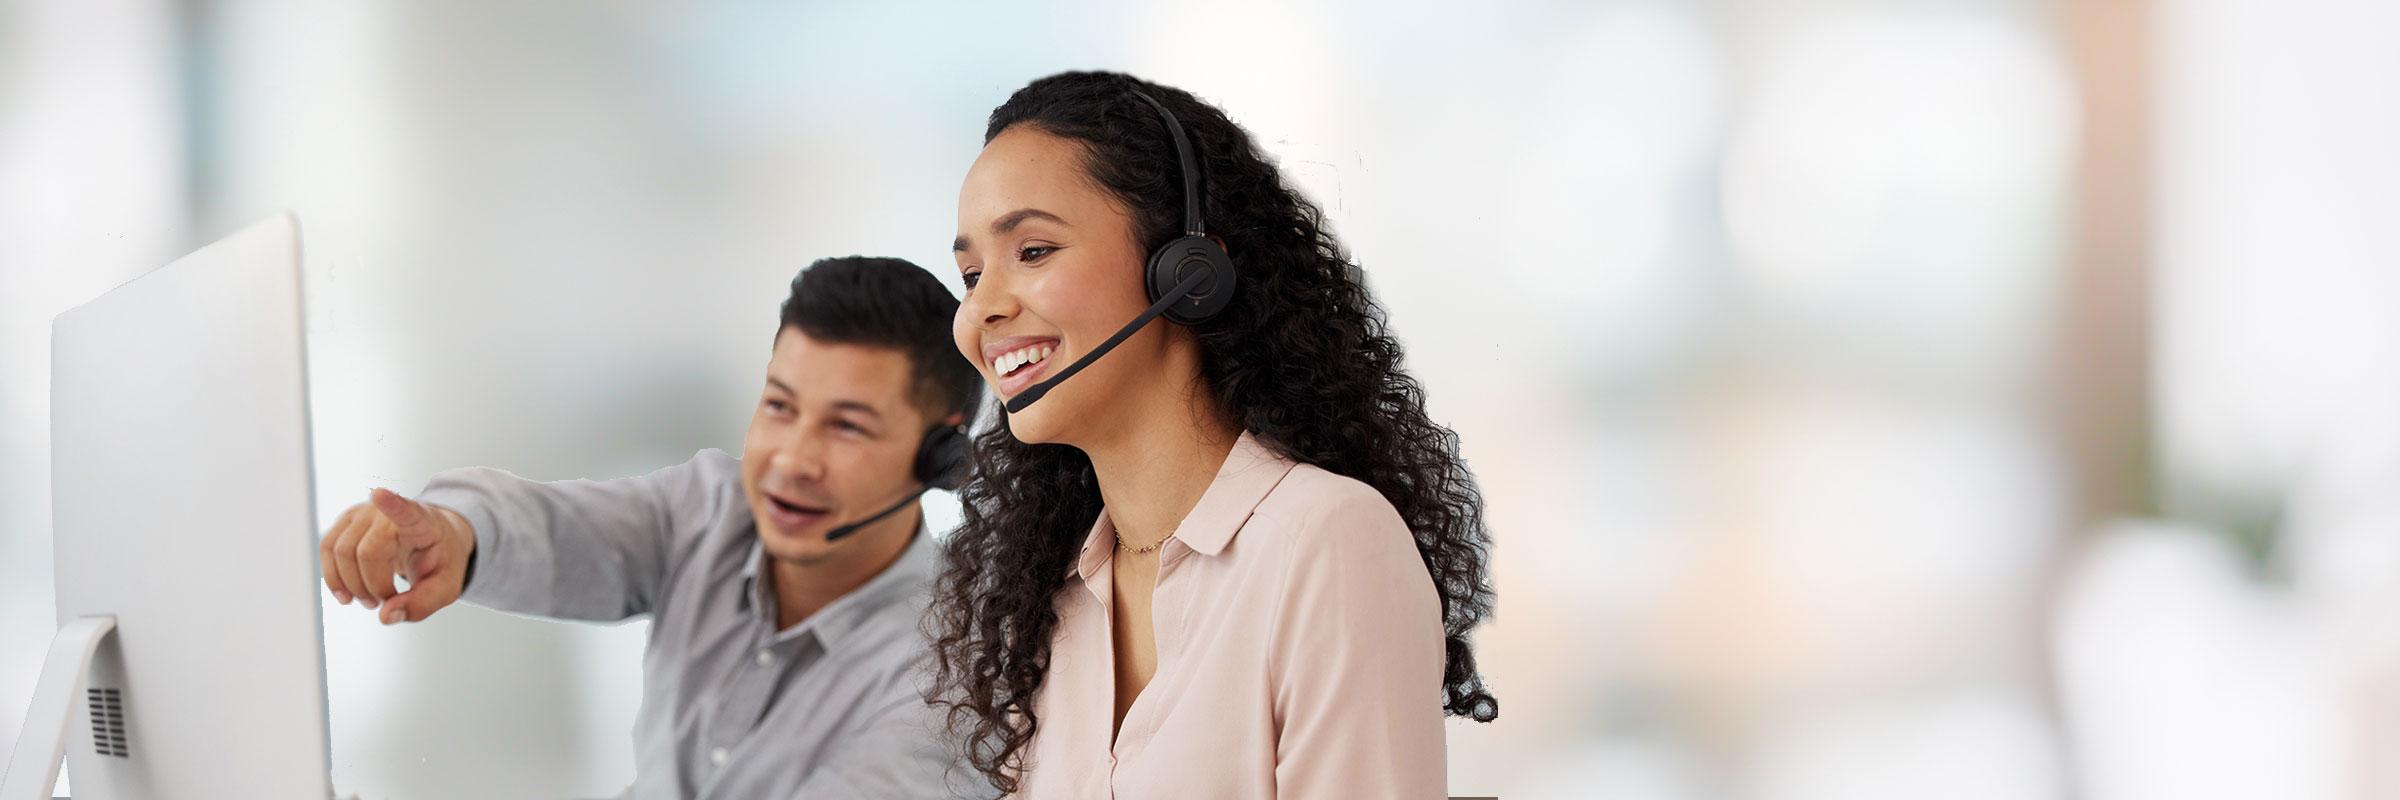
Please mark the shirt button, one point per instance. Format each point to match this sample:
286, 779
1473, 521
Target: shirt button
766, 658
717, 756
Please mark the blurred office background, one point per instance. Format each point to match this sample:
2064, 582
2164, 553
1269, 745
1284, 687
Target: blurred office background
1874, 398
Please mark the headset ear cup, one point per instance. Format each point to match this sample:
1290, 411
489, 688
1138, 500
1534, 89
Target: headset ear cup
942, 458
1179, 259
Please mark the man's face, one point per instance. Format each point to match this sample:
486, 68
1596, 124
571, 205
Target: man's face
833, 440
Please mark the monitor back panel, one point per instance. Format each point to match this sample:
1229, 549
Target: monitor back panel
182, 504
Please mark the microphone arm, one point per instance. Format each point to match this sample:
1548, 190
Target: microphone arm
837, 533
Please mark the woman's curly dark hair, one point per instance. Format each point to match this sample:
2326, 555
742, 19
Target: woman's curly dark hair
1302, 359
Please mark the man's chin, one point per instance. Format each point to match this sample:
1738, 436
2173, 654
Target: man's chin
808, 547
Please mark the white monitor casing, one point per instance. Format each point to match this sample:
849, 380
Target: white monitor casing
183, 508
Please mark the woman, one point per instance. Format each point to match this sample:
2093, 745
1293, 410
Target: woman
1232, 558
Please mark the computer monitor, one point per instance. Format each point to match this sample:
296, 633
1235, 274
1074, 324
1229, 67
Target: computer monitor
185, 524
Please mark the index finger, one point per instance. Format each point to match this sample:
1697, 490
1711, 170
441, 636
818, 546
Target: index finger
333, 577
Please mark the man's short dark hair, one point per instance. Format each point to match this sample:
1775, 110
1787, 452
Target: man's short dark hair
888, 302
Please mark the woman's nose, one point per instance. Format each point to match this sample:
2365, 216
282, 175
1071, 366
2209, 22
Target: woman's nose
990, 304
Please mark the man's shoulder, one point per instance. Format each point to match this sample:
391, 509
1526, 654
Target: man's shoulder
717, 466
710, 481
709, 518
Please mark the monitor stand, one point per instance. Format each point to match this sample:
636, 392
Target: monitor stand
33, 768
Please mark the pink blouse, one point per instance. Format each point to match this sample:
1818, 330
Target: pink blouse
1299, 652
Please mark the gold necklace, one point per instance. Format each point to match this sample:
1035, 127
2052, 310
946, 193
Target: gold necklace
1140, 550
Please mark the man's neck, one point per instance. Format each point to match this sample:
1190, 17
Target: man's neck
803, 589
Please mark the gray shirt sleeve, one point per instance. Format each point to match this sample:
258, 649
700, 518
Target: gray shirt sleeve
581, 549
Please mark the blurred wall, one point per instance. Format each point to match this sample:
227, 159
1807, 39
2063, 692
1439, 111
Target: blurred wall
1755, 320
93, 191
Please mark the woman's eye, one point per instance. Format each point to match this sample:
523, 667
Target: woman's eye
1033, 253
777, 406
971, 278
849, 426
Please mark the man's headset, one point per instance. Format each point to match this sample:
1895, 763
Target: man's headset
1189, 279
941, 464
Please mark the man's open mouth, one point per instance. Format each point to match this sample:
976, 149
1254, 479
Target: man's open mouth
790, 515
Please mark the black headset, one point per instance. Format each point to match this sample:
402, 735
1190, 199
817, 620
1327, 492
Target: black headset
941, 463
1188, 279
1192, 255
942, 457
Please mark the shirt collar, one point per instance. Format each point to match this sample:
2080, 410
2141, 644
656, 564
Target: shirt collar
1250, 472
911, 572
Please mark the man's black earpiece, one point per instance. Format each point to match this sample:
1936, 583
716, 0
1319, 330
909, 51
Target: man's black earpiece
942, 457
941, 464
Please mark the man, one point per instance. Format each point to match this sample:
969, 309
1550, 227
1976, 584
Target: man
784, 588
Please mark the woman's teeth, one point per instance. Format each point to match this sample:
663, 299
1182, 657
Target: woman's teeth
1012, 360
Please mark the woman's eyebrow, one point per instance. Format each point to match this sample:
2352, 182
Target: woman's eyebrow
1008, 222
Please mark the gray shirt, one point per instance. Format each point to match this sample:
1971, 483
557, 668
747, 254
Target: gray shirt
731, 707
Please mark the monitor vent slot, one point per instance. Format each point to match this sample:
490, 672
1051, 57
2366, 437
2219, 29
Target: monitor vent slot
108, 721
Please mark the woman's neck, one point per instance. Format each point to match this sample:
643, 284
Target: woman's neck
1152, 472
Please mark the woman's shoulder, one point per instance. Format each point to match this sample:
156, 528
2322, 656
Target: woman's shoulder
1315, 511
